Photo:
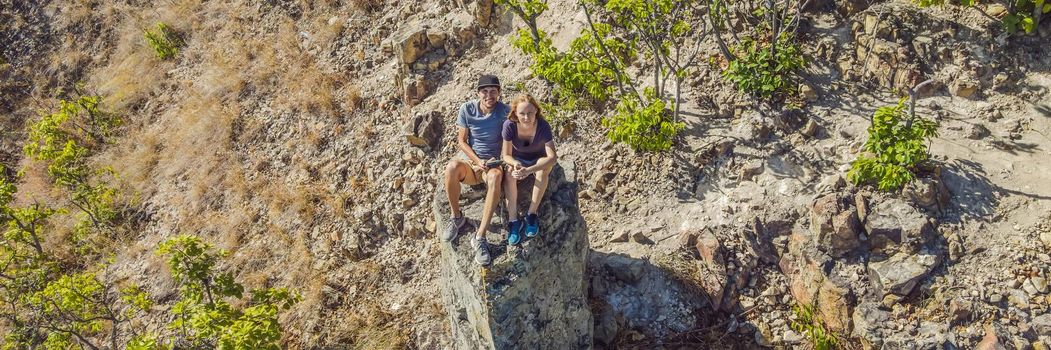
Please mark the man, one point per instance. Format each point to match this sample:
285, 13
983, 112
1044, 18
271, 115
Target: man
479, 124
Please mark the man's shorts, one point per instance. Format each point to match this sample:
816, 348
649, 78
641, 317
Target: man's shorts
477, 172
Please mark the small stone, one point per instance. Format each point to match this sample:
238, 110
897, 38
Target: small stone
408, 203
641, 238
747, 304
763, 336
891, 299
963, 88
619, 237
791, 337
995, 10
1040, 283
959, 310
995, 298
810, 129
750, 169
1018, 299
1029, 288
978, 132
807, 92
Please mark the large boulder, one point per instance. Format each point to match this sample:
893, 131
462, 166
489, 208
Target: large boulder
533, 296
423, 129
895, 225
835, 224
636, 295
901, 273
413, 45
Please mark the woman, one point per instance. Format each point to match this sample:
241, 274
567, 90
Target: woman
528, 150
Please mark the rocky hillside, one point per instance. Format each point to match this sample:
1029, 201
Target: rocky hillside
308, 139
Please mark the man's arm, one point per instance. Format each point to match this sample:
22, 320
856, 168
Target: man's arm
461, 143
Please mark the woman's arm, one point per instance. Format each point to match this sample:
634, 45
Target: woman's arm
547, 160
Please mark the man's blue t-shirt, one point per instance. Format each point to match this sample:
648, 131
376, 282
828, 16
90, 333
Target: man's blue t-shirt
483, 130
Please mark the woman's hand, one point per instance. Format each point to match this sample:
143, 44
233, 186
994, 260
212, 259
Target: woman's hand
521, 172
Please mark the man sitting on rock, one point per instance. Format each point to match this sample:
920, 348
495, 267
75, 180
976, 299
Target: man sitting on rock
479, 125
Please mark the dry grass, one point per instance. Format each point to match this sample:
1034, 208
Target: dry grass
367, 5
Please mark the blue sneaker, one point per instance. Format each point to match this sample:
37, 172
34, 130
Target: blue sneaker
514, 232
532, 225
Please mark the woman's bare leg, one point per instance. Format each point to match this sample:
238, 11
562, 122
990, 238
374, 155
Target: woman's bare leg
539, 187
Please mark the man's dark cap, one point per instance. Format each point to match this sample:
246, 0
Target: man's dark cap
487, 81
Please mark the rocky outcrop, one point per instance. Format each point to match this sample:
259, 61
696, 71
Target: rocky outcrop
857, 259
424, 129
532, 296
633, 295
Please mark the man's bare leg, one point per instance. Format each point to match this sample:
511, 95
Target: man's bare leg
457, 171
493, 179
511, 194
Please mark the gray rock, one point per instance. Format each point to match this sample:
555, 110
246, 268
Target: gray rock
606, 327
412, 46
894, 225
648, 299
1030, 288
978, 131
529, 297
868, 319
1042, 324
424, 129
1040, 283
1018, 298
901, 273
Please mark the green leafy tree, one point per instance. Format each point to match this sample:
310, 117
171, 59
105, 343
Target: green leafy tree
44, 307
646, 128
1022, 15
203, 316
595, 68
75, 308
896, 146
63, 140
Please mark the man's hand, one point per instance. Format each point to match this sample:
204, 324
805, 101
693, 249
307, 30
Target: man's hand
480, 165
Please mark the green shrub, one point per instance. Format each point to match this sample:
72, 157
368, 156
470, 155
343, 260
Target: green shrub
646, 127
595, 68
203, 316
63, 140
895, 147
765, 70
1022, 15
807, 324
164, 40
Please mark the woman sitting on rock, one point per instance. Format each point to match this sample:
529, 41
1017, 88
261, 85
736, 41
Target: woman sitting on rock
528, 149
